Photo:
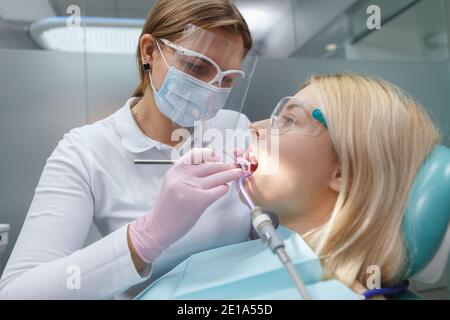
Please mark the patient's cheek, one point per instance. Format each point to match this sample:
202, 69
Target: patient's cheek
265, 189
257, 187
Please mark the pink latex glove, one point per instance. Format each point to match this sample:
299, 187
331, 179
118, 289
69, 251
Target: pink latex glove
189, 187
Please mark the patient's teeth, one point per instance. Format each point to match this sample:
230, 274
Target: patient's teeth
253, 162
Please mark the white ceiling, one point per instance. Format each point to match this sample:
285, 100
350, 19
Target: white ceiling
260, 14
25, 10
263, 16
107, 8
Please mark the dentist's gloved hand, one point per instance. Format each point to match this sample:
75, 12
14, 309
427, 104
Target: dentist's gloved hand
189, 187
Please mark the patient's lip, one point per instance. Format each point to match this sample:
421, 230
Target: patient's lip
246, 160
253, 167
253, 160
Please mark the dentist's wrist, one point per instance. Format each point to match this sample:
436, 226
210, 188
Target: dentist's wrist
147, 237
140, 265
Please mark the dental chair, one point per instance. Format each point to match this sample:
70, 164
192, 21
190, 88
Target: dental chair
426, 222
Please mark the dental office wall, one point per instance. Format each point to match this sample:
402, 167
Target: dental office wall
46, 93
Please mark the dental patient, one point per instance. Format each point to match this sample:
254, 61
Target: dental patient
347, 151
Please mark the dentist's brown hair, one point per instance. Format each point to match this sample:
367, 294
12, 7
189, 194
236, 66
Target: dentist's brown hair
168, 18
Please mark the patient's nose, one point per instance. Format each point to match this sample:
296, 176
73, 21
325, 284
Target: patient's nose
263, 124
259, 128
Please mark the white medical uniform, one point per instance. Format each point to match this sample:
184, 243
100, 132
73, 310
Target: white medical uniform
91, 177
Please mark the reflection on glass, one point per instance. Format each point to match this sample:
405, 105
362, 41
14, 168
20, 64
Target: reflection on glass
412, 30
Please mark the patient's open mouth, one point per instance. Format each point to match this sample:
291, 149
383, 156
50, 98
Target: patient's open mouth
253, 162
247, 162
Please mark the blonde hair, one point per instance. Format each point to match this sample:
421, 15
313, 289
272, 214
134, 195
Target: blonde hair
168, 19
381, 137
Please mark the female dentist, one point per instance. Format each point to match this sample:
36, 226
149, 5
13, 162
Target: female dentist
150, 218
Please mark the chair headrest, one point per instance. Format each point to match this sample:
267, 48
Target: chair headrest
427, 211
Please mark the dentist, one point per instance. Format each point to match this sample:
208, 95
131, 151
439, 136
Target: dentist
150, 217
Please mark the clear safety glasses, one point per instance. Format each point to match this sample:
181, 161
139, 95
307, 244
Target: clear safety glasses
202, 67
297, 116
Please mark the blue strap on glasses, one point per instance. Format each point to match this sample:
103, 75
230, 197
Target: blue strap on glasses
317, 114
389, 291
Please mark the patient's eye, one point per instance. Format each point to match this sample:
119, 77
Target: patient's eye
287, 120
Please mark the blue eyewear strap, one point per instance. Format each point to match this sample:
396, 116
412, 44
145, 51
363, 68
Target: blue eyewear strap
390, 291
318, 115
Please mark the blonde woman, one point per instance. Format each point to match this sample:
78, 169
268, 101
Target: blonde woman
349, 148
150, 218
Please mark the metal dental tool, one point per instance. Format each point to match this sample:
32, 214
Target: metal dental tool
266, 231
244, 164
163, 161
138, 161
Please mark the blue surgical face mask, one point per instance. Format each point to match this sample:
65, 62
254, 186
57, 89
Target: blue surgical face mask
185, 99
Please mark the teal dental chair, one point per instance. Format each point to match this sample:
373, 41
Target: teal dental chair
426, 221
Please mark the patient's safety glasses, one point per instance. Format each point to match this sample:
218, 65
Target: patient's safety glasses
297, 116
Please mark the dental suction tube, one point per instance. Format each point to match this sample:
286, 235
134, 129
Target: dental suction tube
266, 231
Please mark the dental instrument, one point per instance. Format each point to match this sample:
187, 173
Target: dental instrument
150, 161
246, 165
266, 231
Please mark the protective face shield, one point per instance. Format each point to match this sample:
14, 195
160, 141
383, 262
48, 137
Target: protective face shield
205, 70
206, 73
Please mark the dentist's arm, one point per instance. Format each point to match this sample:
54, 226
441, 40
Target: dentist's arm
48, 260
188, 189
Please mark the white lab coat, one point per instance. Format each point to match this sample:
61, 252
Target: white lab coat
91, 177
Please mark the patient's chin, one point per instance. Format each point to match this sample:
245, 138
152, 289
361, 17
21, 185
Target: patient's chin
258, 190
250, 187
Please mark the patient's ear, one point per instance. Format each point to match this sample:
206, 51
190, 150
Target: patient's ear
336, 179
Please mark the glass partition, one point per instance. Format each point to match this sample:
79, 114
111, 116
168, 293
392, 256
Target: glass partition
411, 30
